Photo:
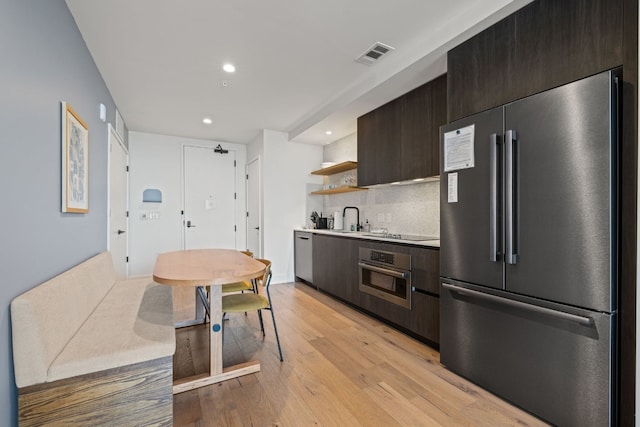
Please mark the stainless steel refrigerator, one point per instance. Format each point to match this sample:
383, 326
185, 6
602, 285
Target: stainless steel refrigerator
529, 242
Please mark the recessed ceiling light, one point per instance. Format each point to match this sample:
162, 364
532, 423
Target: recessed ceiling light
229, 68
207, 121
328, 132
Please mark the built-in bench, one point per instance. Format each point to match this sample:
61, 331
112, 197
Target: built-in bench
89, 349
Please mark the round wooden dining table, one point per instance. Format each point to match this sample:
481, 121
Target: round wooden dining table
213, 268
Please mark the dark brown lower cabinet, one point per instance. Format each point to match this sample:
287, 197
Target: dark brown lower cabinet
335, 266
425, 316
335, 271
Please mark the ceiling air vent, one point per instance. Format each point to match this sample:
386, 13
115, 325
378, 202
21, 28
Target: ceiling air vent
374, 53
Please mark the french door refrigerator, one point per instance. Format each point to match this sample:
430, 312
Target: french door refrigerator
528, 259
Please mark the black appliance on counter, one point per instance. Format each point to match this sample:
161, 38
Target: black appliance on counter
322, 223
529, 251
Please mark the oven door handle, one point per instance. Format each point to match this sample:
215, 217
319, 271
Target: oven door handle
394, 273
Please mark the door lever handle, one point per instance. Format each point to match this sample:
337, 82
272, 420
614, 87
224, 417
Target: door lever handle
189, 225
257, 228
120, 232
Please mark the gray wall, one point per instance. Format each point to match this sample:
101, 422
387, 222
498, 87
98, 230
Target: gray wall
43, 61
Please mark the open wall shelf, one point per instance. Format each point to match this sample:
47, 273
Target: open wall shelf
337, 190
340, 167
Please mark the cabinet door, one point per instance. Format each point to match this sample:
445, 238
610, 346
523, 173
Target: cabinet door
425, 303
415, 133
387, 143
425, 316
335, 262
438, 118
424, 110
366, 150
558, 42
379, 145
479, 71
425, 269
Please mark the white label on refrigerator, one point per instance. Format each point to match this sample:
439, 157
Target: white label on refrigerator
452, 183
459, 148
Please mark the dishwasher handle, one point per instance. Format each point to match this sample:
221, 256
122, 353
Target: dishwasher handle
582, 320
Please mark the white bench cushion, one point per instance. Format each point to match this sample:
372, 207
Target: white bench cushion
44, 319
132, 324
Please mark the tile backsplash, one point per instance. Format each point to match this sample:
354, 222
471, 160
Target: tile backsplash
408, 209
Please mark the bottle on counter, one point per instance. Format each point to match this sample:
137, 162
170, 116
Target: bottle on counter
367, 226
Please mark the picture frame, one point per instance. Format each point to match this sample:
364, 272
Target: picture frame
75, 161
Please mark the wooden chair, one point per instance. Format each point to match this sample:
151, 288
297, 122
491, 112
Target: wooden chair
245, 285
238, 303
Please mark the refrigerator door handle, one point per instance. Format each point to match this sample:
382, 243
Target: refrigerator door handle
510, 253
493, 195
582, 320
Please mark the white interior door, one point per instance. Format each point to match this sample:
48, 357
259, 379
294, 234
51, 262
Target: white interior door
118, 196
254, 212
209, 198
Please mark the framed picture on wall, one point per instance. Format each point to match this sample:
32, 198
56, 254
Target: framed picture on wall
75, 162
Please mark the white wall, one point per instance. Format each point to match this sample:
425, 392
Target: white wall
342, 150
156, 162
286, 168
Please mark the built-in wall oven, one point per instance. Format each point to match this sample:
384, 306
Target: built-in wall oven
386, 275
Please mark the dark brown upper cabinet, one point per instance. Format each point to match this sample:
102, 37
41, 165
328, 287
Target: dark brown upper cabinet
479, 71
544, 45
415, 133
399, 140
378, 145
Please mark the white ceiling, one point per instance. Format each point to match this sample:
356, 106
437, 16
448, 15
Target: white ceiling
162, 60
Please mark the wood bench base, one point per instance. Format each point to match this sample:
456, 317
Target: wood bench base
133, 395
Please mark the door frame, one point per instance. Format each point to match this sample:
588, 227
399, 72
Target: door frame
257, 159
112, 135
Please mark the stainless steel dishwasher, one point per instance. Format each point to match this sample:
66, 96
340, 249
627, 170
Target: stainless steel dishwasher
304, 255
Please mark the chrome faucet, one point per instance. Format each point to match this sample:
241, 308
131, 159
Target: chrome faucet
344, 211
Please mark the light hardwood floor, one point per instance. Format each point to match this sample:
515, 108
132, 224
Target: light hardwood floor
341, 368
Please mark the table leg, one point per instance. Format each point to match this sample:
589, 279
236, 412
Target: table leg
216, 371
215, 330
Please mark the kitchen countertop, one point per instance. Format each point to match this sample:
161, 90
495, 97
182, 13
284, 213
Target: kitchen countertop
367, 236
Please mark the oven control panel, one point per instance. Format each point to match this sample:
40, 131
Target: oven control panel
396, 260
382, 257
